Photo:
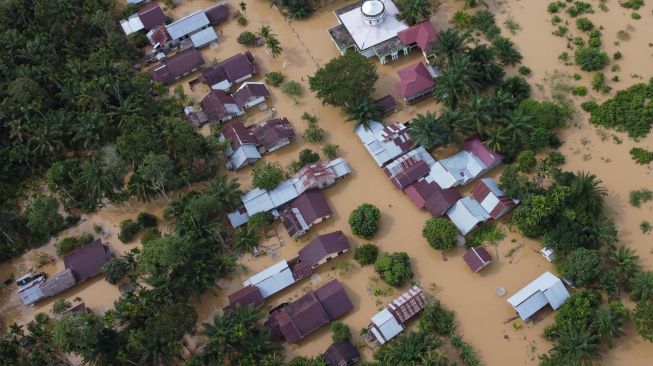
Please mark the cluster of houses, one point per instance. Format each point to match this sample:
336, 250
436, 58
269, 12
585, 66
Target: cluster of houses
297, 201
80, 265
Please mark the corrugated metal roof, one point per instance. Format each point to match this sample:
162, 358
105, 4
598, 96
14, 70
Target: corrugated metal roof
546, 289
203, 37
464, 166
466, 214
132, 25
272, 279
383, 148
257, 200
385, 326
188, 25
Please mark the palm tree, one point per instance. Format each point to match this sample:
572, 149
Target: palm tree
427, 131
607, 325
95, 181
578, 345
407, 349
246, 238
273, 45
495, 138
451, 42
140, 188
413, 11
265, 32
625, 263
484, 69
226, 190
587, 192
517, 126
455, 123
478, 113
88, 131
455, 83
506, 51
363, 110
641, 286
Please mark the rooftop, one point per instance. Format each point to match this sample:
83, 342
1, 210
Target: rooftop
422, 33
217, 14
271, 132
466, 214
188, 24
477, 258
546, 289
385, 143
365, 35
341, 353
323, 245
86, 261
272, 279
179, 64
413, 80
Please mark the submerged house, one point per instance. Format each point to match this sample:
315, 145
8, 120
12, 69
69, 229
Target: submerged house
150, 16
474, 160
227, 73
305, 315
544, 290
390, 321
242, 148
341, 353
250, 95
217, 14
466, 214
428, 194
324, 248
273, 134
248, 295
477, 258
309, 209
174, 68
493, 200
409, 167
415, 82
272, 279
80, 265
421, 35
385, 143
220, 106
386, 105
195, 27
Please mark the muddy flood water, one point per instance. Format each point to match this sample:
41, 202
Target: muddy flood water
480, 313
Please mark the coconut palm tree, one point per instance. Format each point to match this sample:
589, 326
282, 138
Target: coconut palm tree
455, 83
478, 112
246, 238
427, 131
641, 286
407, 349
455, 123
506, 51
265, 32
413, 11
273, 45
363, 110
578, 345
517, 126
625, 263
484, 67
226, 190
607, 325
495, 138
451, 42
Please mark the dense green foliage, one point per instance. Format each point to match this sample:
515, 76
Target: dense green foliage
630, 110
128, 230
640, 196
32, 347
394, 268
413, 11
296, 9
486, 233
43, 219
268, 175
591, 58
363, 110
641, 156
115, 269
340, 331
313, 133
643, 319
441, 234
246, 38
344, 80
330, 151
366, 254
364, 221
274, 78
582, 266
69, 244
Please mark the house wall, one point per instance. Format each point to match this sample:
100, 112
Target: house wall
414, 98
243, 79
224, 85
331, 256
254, 102
279, 145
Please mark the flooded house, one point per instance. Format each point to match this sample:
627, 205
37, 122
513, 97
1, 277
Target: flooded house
409, 167
493, 200
324, 248
249, 95
220, 106
415, 82
477, 258
248, 295
427, 194
474, 160
148, 17
273, 134
177, 66
229, 72
467, 214
544, 290
217, 14
242, 148
341, 353
309, 209
385, 143
296, 320
80, 265
390, 321
194, 29
386, 105
421, 35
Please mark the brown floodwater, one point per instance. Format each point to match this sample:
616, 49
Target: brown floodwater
480, 313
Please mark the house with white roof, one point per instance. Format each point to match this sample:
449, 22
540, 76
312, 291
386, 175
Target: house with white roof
466, 214
272, 279
474, 160
544, 290
195, 26
493, 200
385, 143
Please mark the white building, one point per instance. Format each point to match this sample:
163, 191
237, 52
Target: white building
272, 279
546, 289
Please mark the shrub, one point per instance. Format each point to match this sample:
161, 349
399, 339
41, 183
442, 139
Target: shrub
584, 24
525, 70
582, 267
308, 156
553, 7
579, 90
591, 59
645, 227
641, 156
115, 270
150, 234
643, 319
292, 89
616, 55
274, 78
340, 331
599, 83
246, 38
434, 318
146, 219
268, 175
576, 76
635, 15
313, 133
366, 254
441, 234
394, 268
555, 20
640, 196
579, 8
486, 233
67, 245
242, 21
631, 4
589, 106
556, 158
364, 221
330, 151
594, 39
128, 230
630, 110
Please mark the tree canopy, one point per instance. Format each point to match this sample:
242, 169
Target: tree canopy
344, 80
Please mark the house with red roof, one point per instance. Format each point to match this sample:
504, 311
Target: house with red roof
324, 248
242, 148
220, 106
415, 81
217, 14
303, 212
273, 134
248, 295
250, 95
296, 320
427, 194
422, 35
386, 105
174, 68
409, 167
231, 71
492, 198
477, 258
149, 16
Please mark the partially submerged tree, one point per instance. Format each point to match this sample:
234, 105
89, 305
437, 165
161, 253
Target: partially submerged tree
344, 79
268, 175
364, 221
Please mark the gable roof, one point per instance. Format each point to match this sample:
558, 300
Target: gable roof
489, 158
176, 66
546, 289
466, 214
218, 104
413, 79
188, 25
151, 16
249, 91
305, 210
231, 69
341, 353
272, 279
477, 258
248, 295
237, 135
430, 196
409, 167
334, 299
463, 167
86, 261
58, 283
323, 245
385, 143
217, 14
271, 132
386, 104
492, 198
422, 33
389, 322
